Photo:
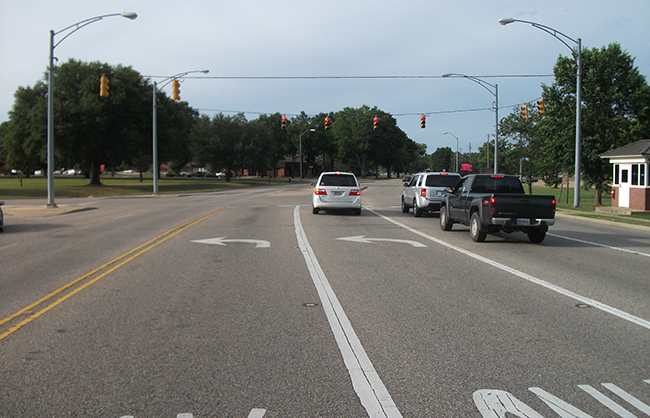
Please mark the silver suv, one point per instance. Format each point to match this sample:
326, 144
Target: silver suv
425, 191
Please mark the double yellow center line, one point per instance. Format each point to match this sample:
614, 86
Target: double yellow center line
65, 292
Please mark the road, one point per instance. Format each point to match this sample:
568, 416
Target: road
245, 304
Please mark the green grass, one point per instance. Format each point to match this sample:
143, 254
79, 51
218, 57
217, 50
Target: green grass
12, 187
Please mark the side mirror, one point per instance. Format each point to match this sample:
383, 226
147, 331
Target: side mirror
313, 184
405, 184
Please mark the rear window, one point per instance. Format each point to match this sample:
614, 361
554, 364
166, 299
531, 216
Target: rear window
338, 180
497, 185
442, 181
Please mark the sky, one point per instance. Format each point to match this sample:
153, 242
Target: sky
313, 50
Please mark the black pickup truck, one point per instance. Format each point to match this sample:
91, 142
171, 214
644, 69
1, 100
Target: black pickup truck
493, 202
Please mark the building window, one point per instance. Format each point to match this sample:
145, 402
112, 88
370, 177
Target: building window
617, 174
624, 176
635, 174
642, 174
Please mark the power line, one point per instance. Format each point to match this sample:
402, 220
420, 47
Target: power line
351, 77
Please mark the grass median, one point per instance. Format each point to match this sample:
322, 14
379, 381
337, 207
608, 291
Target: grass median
35, 187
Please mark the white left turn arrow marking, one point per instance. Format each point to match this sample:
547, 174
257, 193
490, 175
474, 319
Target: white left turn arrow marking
222, 241
363, 239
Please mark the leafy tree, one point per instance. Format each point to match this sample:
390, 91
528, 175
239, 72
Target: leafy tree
219, 142
25, 138
442, 159
615, 110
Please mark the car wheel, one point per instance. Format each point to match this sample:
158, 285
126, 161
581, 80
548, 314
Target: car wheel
405, 209
417, 211
536, 236
357, 212
475, 228
315, 211
445, 223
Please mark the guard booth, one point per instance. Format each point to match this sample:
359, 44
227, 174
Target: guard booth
630, 185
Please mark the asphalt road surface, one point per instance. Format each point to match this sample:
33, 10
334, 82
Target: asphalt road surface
245, 304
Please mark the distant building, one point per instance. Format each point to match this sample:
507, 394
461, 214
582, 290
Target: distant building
630, 185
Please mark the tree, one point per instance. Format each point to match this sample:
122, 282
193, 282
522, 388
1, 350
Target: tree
442, 159
218, 142
615, 110
24, 140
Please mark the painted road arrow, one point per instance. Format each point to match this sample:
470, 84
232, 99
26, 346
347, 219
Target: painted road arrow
222, 241
361, 238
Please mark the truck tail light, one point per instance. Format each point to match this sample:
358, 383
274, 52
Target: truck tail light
355, 192
423, 192
320, 192
493, 206
553, 207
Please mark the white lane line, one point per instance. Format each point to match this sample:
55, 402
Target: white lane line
613, 406
638, 404
366, 382
8, 246
598, 245
257, 413
125, 216
598, 305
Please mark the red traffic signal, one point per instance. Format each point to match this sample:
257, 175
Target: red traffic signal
423, 122
284, 122
375, 123
327, 123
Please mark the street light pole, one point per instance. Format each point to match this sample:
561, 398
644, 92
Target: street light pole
449, 133
561, 37
167, 80
495, 93
308, 130
50, 95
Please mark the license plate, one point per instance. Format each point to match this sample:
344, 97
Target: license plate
339, 193
523, 222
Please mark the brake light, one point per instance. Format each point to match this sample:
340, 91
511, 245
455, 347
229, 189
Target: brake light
554, 208
497, 177
423, 192
493, 206
355, 192
320, 192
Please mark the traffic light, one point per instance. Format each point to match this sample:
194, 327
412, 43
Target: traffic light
540, 107
284, 122
327, 123
423, 122
375, 123
524, 112
176, 90
103, 86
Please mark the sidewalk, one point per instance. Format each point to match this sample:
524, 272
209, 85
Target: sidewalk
40, 211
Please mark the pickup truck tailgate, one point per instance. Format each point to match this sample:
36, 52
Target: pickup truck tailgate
520, 206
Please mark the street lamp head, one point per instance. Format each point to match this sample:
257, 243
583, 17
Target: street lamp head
129, 15
313, 130
506, 20
205, 71
445, 133
445, 75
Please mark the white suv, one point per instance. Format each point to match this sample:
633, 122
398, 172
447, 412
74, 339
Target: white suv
336, 190
425, 191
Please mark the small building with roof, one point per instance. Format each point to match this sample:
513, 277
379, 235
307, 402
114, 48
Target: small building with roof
630, 185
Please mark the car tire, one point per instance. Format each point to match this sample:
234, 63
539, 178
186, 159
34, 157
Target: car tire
357, 212
315, 211
405, 209
475, 225
417, 211
445, 223
536, 236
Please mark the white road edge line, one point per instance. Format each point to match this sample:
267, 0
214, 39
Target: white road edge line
598, 245
603, 307
366, 382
